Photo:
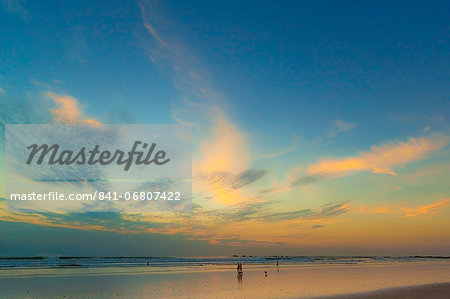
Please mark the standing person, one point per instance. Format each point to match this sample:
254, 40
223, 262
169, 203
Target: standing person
239, 269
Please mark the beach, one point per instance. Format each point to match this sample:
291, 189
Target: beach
438, 290
422, 279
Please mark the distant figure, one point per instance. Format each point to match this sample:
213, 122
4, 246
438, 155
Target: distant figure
239, 269
265, 273
277, 263
148, 263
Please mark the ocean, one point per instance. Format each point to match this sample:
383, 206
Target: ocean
41, 262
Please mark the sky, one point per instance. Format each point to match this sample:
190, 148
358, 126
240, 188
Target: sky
319, 127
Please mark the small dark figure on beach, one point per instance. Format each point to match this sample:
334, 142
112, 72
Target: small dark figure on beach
239, 269
265, 273
148, 263
277, 263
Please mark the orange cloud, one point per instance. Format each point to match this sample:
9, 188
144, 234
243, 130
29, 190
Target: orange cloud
225, 151
380, 159
68, 111
427, 209
432, 208
374, 210
225, 154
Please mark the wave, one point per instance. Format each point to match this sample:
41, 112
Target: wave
125, 261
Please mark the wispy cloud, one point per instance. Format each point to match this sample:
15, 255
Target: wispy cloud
221, 166
223, 146
327, 211
374, 209
223, 153
17, 7
261, 211
316, 226
406, 210
222, 225
276, 154
380, 159
340, 126
226, 150
15, 110
232, 181
199, 99
432, 208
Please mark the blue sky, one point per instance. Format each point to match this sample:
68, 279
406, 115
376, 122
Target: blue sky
318, 62
299, 88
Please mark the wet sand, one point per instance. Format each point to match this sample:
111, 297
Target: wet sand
438, 290
397, 280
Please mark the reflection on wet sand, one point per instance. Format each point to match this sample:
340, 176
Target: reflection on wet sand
239, 277
215, 281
